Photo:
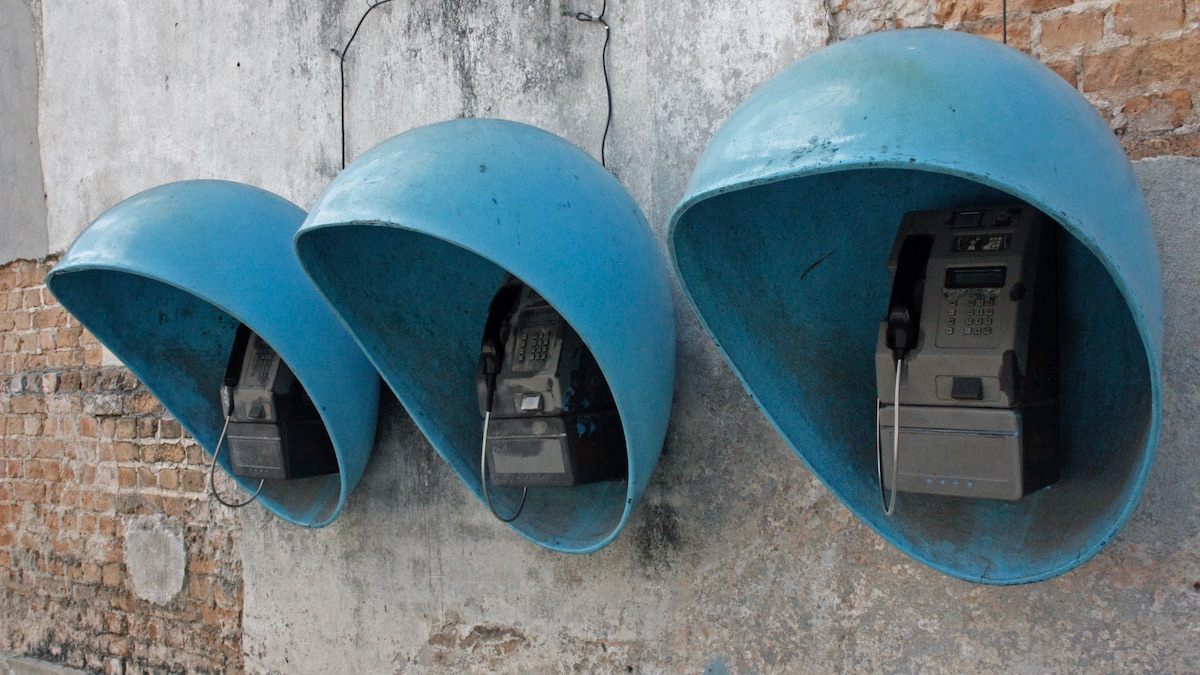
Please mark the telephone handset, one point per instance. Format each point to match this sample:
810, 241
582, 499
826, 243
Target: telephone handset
550, 418
967, 356
273, 428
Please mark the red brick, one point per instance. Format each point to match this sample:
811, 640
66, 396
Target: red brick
1164, 61
1153, 113
111, 575
24, 405
147, 428
1071, 32
1171, 144
87, 427
955, 11
107, 526
93, 357
168, 479
8, 277
125, 451
169, 429
1144, 18
144, 404
126, 428
176, 507
193, 481
49, 317
86, 475
126, 477
29, 492
1018, 32
68, 337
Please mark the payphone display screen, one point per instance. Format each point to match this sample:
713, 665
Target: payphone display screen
975, 277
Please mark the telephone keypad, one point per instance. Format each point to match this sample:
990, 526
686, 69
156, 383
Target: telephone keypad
976, 321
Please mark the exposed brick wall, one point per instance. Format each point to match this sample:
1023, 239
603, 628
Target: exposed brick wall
84, 449
1137, 61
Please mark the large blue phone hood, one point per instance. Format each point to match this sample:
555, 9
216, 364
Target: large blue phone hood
795, 204
163, 278
412, 240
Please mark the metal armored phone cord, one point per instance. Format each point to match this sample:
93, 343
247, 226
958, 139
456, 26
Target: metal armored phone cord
492, 366
889, 505
212, 469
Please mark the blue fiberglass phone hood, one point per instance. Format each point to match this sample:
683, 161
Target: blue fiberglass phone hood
163, 280
412, 240
795, 203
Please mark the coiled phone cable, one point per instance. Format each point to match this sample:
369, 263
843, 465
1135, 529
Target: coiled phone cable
212, 469
889, 504
483, 472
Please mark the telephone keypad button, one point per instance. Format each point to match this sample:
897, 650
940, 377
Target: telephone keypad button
951, 312
949, 331
987, 331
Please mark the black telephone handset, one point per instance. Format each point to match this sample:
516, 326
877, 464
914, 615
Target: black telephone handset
967, 356
552, 421
904, 307
274, 430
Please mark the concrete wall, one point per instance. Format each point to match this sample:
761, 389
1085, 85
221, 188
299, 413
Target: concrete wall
22, 202
737, 560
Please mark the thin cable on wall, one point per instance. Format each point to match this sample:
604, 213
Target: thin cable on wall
599, 18
1004, 12
342, 67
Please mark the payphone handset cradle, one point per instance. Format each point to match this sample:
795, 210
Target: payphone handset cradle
549, 417
971, 334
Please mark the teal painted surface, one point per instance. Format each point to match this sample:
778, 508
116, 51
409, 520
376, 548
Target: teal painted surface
781, 245
163, 278
412, 240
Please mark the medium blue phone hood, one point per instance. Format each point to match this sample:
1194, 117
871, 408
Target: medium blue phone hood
781, 244
163, 278
412, 240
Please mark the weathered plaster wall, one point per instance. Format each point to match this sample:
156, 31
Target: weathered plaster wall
737, 560
22, 203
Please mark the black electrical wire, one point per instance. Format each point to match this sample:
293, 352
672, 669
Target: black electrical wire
1005, 13
342, 67
599, 18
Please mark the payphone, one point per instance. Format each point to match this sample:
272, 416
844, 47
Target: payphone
272, 427
549, 415
967, 357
